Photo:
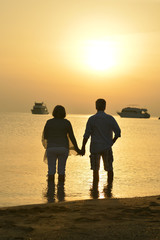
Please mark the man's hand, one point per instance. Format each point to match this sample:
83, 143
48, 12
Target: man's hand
114, 140
83, 150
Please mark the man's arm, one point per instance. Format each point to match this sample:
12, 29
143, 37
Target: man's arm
115, 139
86, 136
84, 145
117, 131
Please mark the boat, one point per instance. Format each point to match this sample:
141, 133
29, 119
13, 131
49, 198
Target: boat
130, 112
39, 108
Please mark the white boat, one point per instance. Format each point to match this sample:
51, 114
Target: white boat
130, 112
39, 108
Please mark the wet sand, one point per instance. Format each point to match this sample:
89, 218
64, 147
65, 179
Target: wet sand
127, 218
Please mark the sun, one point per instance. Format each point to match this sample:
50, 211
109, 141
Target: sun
101, 55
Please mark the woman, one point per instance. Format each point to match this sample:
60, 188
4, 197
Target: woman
57, 132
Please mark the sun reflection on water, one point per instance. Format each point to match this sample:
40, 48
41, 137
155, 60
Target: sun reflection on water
135, 154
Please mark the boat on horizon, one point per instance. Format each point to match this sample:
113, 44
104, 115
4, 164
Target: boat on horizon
39, 108
132, 112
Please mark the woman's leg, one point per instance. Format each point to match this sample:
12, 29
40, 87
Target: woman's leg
51, 178
52, 157
62, 158
61, 178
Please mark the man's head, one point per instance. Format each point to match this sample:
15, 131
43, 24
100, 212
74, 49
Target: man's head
100, 104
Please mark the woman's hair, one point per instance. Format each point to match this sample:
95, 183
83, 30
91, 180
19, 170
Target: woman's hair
59, 112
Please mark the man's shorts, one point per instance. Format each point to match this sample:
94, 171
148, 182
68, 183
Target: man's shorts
107, 157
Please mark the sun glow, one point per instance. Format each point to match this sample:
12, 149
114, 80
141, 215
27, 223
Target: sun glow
101, 55
110, 56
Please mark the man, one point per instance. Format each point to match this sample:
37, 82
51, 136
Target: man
101, 127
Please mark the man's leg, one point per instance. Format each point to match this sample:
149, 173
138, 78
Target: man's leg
95, 165
107, 157
94, 189
110, 177
95, 175
95, 179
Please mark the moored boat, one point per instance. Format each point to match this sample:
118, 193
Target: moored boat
39, 108
130, 112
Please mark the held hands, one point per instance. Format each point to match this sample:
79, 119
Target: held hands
80, 151
83, 151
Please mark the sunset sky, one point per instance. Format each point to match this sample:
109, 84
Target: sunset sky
72, 52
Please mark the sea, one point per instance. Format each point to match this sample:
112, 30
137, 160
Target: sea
23, 172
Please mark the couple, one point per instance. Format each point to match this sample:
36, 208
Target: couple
100, 127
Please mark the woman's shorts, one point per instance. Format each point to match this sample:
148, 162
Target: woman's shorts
107, 157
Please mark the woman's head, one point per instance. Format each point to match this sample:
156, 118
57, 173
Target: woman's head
59, 112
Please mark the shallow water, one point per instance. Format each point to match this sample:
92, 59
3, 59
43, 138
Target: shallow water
23, 172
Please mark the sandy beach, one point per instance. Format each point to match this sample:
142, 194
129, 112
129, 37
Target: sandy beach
127, 218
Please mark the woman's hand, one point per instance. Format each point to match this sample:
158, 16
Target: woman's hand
79, 152
83, 151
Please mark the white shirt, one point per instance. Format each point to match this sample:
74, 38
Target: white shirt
101, 127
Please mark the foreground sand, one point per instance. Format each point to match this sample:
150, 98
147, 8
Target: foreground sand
134, 218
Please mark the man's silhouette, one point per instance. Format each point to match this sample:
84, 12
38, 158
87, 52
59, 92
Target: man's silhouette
101, 127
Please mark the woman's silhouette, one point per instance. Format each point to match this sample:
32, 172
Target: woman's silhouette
58, 133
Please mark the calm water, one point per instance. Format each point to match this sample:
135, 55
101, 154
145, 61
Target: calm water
23, 172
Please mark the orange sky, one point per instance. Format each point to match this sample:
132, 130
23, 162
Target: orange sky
73, 52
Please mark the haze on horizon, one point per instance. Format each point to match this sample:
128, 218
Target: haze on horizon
73, 52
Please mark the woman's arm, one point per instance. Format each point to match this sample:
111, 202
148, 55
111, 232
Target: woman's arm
44, 137
72, 138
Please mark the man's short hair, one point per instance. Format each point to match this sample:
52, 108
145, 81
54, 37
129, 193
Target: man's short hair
59, 112
100, 104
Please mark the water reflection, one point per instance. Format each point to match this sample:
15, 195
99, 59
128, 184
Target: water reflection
94, 190
50, 194
95, 193
108, 190
60, 191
